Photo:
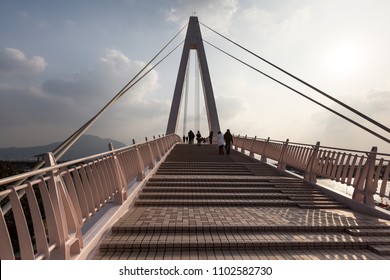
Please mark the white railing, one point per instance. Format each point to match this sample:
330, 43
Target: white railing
366, 172
42, 217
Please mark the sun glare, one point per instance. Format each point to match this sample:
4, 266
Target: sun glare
344, 59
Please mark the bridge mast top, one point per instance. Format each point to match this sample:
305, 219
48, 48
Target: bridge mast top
194, 41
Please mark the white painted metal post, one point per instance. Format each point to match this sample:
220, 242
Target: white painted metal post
370, 187
251, 153
263, 157
141, 172
152, 163
121, 196
312, 163
71, 240
243, 143
281, 164
363, 187
236, 146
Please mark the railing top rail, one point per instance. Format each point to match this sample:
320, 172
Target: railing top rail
8, 180
311, 145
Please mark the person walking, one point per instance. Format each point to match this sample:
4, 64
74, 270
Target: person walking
211, 137
220, 142
198, 138
228, 141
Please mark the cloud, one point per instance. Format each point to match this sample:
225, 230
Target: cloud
60, 106
14, 62
377, 104
279, 30
230, 107
330, 128
96, 86
216, 13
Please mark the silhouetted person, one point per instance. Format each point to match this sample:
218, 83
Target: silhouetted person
228, 140
211, 137
191, 137
198, 138
220, 142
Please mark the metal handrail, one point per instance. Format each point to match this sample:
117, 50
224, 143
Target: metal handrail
367, 172
70, 194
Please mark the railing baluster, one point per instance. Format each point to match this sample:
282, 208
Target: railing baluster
82, 196
25, 245
352, 170
281, 163
335, 167
6, 250
385, 179
263, 157
358, 171
92, 199
73, 195
378, 173
312, 164
345, 168
40, 237
52, 223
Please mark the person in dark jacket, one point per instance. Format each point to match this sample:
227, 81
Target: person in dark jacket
191, 136
228, 140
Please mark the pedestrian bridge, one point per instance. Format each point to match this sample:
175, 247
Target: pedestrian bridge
164, 199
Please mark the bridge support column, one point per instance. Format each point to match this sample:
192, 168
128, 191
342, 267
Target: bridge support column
194, 41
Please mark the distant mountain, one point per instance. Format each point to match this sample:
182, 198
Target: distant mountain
87, 145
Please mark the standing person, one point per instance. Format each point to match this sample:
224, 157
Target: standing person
220, 142
211, 137
191, 137
198, 138
228, 140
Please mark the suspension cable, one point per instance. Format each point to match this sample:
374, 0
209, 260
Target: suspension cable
127, 88
305, 83
7, 207
305, 96
65, 146
61, 149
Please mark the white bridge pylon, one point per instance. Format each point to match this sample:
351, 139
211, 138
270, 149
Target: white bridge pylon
194, 41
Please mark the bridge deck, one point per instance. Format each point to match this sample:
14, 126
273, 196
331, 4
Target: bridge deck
201, 205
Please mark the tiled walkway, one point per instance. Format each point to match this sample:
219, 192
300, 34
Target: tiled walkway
201, 205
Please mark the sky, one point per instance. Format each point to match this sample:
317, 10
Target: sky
62, 61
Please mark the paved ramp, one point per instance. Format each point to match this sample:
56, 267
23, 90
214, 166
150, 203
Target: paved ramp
201, 205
